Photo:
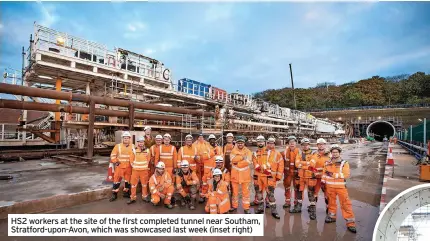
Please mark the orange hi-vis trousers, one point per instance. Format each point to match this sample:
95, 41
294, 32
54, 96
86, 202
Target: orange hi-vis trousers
143, 176
155, 199
121, 173
246, 195
345, 205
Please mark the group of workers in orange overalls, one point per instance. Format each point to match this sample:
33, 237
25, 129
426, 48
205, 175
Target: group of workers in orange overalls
201, 171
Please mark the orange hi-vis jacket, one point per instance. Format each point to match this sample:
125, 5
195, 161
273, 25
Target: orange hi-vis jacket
268, 159
340, 172
226, 175
260, 159
240, 162
303, 162
184, 180
318, 161
227, 148
158, 184
217, 150
219, 199
277, 164
141, 162
203, 150
123, 155
188, 153
290, 160
154, 151
168, 155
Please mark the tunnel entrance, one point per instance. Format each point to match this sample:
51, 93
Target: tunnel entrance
380, 129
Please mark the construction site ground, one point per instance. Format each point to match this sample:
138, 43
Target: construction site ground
63, 189
401, 176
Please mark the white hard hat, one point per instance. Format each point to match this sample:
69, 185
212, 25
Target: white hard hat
211, 136
321, 141
185, 163
261, 138
140, 139
159, 137
147, 128
335, 146
168, 135
229, 135
189, 136
216, 172
305, 140
126, 134
292, 138
271, 140
161, 165
219, 159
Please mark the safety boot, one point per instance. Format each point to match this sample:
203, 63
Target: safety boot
312, 212
232, 209
113, 197
274, 211
131, 201
287, 205
169, 206
260, 208
127, 194
246, 211
352, 229
201, 200
192, 201
297, 208
329, 219
147, 199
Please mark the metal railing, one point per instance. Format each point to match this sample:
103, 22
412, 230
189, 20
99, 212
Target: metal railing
418, 151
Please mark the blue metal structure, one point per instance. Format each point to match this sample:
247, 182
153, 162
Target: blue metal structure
193, 87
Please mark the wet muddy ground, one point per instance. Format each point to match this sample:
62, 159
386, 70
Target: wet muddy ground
367, 168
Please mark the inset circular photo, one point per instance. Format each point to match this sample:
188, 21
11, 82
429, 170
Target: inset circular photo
406, 217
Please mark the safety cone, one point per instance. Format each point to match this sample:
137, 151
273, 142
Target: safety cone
390, 160
111, 171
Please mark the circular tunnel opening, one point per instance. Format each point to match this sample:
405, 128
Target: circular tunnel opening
380, 129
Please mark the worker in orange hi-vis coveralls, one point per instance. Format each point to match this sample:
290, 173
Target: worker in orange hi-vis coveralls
277, 167
202, 149
122, 154
241, 159
187, 185
317, 163
218, 196
208, 159
168, 155
307, 178
336, 171
267, 164
227, 149
140, 171
189, 153
291, 177
161, 186
154, 151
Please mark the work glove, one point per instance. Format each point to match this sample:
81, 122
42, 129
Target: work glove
162, 195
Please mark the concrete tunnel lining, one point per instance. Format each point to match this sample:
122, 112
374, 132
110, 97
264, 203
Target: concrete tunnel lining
381, 128
398, 210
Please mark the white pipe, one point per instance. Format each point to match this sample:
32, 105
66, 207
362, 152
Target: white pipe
273, 119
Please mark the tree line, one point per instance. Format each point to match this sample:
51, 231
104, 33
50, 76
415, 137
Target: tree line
375, 91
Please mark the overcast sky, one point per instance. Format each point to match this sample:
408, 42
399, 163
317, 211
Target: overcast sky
242, 46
